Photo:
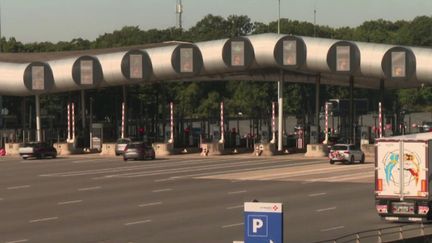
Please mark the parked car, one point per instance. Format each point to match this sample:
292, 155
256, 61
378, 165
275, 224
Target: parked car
426, 127
138, 150
37, 150
346, 153
121, 145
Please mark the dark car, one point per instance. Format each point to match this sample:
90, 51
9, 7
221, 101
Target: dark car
138, 150
37, 150
121, 145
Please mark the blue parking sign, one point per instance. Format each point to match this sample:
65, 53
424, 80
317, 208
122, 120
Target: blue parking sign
263, 222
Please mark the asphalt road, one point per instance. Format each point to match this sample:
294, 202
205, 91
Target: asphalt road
185, 198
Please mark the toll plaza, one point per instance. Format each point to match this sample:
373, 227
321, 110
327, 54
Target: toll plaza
83, 81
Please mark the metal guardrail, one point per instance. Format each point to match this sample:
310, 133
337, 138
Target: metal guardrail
389, 234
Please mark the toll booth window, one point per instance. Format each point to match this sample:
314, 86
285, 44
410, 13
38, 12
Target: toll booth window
38, 78
398, 65
343, 58
86, 72
289, 52
237, 53
186, 60
136, 69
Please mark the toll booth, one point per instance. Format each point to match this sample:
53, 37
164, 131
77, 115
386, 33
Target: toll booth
313, 134
365, 134
300, 141
97, 136
341, 109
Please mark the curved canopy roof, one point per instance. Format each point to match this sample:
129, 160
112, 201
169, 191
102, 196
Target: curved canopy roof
255, 57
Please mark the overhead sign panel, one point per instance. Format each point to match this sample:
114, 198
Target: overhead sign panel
186, 60
398, 64
38, 77
86, 71
136, 66
237, 53
343, 58
290, 52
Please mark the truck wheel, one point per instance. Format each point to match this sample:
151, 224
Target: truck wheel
352, 160
362, 160
331, 162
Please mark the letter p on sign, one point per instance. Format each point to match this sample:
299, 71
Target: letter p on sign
257, 224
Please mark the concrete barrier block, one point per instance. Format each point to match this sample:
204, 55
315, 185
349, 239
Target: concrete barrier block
64, 148
163, 149
316, 150
108, 149
12, 149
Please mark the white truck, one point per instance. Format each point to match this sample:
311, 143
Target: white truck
402, 179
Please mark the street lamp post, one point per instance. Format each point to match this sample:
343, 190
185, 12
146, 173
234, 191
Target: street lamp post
280, 95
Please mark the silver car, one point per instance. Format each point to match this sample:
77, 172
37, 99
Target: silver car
138, 150
121, 145
346, 153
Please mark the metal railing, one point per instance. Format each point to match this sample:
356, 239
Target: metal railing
388, 234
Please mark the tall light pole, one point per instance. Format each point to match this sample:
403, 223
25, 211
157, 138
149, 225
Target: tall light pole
280, 95
278, 16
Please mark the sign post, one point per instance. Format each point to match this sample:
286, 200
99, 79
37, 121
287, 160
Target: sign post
263, 222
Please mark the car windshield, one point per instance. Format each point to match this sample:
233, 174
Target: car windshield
340, 147
32, 145
123, 140
136, 145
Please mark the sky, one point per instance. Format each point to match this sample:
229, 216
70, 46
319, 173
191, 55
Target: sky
64, 20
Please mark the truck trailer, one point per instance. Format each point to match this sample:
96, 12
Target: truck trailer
402, 178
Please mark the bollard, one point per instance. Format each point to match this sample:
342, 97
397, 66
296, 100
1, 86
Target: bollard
400, 233
422, 233
357, 238
379, 236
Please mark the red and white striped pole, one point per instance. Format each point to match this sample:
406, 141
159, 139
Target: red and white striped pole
68, 122
273, 122
73, 122
171, 140
326, 123
380, 120
222, 140
123, 121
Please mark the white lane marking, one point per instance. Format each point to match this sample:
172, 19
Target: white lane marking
317, 194
89, 188
138, 222
338, 178
17, 241
332, 228
325, 209
43, 220
305, 171
216, 174
87, 161
69, 202
235, 207
164, 180
1, 199
232, 225
167, 170
130, 168
18, 187
237, 192
150, 204
162, 190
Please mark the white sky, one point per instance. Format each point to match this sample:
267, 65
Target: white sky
56, 20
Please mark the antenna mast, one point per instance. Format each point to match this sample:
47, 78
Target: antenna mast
179, 12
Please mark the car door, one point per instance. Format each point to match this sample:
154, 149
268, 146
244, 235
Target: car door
354, 152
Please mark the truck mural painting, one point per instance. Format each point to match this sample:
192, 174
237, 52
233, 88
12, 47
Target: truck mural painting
411, 167
402, 190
